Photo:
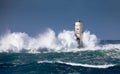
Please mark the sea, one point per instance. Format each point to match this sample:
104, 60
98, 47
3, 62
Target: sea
48, 53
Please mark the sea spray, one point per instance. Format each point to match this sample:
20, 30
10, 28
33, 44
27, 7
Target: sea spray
14, 41
89, 40
67, 39
64, 42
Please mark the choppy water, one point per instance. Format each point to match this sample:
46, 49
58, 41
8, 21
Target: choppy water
22, 54
83, 62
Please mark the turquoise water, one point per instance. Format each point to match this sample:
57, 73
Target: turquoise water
101, 61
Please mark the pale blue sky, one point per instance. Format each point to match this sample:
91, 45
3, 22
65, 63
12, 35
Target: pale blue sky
101, 17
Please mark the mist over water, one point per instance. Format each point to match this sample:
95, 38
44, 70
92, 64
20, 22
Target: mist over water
64, 42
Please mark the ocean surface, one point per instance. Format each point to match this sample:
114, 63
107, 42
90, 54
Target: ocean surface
51, 54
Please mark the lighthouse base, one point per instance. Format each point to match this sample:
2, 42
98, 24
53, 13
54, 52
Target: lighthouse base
80, 43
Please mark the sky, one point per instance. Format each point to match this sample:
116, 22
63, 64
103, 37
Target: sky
101, 17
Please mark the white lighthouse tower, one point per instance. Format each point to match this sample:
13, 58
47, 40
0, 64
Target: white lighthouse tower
79, 33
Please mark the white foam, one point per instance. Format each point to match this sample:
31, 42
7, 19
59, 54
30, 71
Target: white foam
64, 42
45, 61
89, 40
79, 64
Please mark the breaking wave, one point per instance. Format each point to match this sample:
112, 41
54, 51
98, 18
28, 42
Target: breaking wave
64, 42
78, 64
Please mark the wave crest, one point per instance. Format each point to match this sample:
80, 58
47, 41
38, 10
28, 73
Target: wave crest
78, 64
64, 42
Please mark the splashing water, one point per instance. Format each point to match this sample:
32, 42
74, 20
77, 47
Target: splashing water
65, 41
89, 40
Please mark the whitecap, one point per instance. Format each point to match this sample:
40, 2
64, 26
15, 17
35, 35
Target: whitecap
79, 64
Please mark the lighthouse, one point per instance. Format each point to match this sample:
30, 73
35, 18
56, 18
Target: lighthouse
79, 33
